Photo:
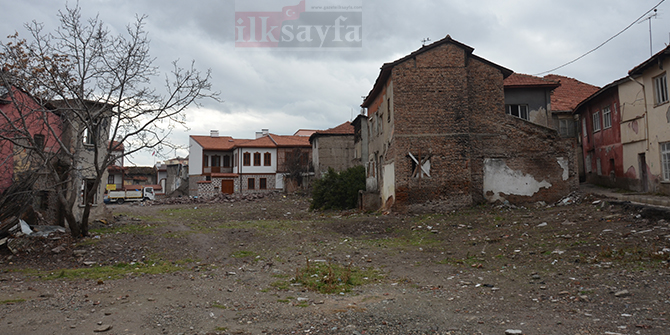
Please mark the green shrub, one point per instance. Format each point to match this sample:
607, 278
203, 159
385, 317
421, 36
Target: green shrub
338, 190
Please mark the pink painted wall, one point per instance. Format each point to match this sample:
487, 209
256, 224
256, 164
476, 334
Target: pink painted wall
20, 115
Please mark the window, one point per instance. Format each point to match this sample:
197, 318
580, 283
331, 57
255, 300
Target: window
247, 159
88, 136
599, 167
388, 106
588, 164
235, 159
257, 159
39, 141
381, 123
520, 111
251, 184
110, 179
660, 89
216, 161
607, 118
584, 131
87, 189
267, 159
205, 161
596, 121
263, 184
566, 127
665, 160
226, 161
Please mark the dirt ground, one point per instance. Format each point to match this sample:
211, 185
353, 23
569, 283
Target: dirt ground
588, 267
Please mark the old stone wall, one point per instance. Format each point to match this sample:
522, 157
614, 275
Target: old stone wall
335, 152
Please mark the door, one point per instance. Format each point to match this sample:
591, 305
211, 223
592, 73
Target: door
227, 186
643, 172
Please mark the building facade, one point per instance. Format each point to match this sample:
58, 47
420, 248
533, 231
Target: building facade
439, 136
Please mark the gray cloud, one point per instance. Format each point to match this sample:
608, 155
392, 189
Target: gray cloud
285, 90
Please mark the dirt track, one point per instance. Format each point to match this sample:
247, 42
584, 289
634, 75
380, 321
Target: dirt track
587, 268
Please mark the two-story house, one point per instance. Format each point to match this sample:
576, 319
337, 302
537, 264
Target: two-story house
29, 135
222, 164
439, 136
600, 119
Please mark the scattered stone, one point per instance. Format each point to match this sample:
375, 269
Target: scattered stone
513, 332
543, 224
621, 294
58, 249
103, 328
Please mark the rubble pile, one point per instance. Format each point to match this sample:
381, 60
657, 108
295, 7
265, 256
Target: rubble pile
220, 198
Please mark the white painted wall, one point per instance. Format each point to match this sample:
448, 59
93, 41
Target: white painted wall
502, 180
258, 169
388, 190
279, 181
194, 157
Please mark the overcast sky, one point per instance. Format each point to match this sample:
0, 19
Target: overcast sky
286, 89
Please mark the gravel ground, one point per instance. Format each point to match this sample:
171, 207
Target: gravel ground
590, 266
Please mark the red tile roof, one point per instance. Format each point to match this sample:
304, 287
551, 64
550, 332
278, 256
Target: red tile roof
291, 141
304, 132
518, 80
225, 143
571, 92
344, 129
261, 142
220, 143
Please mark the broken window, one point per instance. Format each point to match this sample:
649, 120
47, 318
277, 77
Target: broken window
89, 136
39, 141
420, 165
520, 111
87, 189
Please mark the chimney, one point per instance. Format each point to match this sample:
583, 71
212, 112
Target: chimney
214, 133
265, 132
259, 134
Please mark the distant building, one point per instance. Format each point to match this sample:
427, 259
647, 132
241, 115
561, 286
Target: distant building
333, 148
222, 164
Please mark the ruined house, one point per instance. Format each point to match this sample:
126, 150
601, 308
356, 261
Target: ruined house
439, 137
333, 148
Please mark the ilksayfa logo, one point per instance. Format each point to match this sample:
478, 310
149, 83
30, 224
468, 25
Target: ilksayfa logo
317, 24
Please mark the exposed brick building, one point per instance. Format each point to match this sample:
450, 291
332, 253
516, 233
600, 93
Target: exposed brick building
439, 137
333, 148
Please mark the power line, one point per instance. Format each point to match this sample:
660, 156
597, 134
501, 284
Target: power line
603, 43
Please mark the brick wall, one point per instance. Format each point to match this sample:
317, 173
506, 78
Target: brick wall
449, 106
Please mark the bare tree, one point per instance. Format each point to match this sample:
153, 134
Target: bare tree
100, 85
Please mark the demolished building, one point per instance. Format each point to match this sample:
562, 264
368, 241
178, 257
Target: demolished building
438, 137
